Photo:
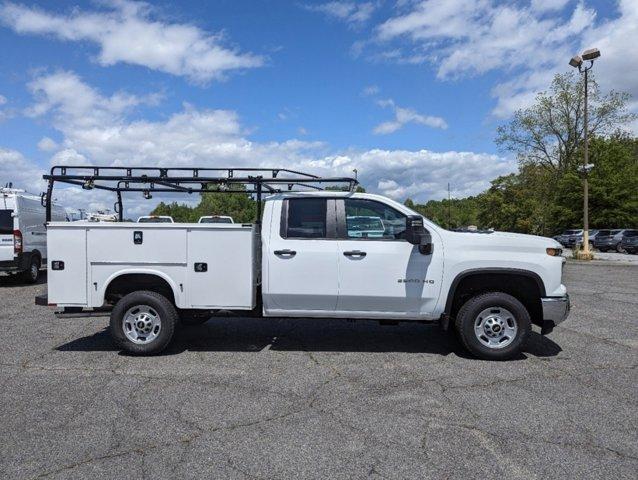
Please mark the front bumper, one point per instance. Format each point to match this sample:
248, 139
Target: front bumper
555, 311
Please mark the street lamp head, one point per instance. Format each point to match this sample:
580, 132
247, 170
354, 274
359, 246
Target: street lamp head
591, 54
576, 61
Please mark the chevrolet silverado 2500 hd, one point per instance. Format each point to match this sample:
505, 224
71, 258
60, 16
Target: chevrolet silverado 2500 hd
304, 259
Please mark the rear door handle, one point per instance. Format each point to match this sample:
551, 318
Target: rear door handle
355, 253
292, 253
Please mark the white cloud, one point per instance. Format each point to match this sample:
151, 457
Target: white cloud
22, 173
47, 144
96, 132
370, 90
476, 36
129, 32
403, 116
528, 42
548, 5
3, 99
350, 12
617, 40
614, 37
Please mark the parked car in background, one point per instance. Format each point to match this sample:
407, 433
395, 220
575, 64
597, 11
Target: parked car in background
155, 219
216, 219
569, 238
101, 216
607, 240
629, 241
23, 235
363, 226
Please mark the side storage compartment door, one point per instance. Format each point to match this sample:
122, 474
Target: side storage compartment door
221, 267
67, 282
150, 249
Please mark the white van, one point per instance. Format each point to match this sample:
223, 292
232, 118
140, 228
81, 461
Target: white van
23, 236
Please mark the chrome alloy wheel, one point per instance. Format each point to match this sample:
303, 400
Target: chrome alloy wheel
495, 327
141, 324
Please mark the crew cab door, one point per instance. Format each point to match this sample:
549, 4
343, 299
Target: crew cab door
302, 257
380, 273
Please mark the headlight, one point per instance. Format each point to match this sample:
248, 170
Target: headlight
554, 252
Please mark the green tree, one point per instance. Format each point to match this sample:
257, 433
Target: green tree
240, 206
549, 132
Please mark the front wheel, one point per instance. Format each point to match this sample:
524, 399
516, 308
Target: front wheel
619, 248
493, 326
143, 322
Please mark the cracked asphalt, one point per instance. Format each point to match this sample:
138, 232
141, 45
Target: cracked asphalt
248, 398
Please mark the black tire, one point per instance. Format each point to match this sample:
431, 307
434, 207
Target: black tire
602, 250
465, 322
619, 248
160, 305
32, 274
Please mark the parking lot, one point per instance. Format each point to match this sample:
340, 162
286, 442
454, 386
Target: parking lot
247, 398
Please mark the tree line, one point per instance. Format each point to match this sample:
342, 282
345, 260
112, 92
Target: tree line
545, 196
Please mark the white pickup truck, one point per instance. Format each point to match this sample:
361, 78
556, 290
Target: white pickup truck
305, 260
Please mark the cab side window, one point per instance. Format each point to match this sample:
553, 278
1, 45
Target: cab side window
372, 220
306, 218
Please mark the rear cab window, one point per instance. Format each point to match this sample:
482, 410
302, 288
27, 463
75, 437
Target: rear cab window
304, 218
6, 222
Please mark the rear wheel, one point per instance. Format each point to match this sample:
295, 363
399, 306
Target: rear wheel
493, 326
32, 274
143, 322
619, 248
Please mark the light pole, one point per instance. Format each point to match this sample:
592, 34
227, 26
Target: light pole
577, 62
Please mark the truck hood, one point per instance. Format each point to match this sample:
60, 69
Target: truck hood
504, 241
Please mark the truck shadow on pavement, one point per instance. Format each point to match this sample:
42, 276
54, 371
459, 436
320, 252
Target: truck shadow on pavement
316, 335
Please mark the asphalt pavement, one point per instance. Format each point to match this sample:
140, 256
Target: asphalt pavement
277, 399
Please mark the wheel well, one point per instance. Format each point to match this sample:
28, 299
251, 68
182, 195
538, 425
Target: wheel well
523, 287
132, 282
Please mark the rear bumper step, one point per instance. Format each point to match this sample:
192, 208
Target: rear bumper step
43, 301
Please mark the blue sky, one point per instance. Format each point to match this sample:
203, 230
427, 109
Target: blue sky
409, 93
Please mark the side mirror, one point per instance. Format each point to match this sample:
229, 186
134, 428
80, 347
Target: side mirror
416, 234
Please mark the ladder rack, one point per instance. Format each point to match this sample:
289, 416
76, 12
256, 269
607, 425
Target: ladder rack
185, 180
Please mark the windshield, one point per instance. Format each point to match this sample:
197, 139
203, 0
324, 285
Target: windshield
631, 233
6, 222
573, 232
216, 220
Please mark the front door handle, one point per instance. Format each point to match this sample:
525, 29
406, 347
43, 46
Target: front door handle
355, 253
287, 251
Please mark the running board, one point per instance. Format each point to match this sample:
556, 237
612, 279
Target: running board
79, 312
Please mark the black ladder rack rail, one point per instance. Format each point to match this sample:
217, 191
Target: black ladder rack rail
185, 180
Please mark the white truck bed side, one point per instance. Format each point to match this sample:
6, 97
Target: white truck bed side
94, 254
